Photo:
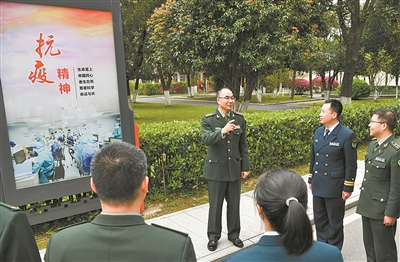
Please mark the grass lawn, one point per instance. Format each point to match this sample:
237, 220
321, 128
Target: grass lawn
158, 112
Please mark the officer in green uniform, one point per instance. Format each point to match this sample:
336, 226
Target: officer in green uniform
227, 161
119, 233
379, 203
17, 242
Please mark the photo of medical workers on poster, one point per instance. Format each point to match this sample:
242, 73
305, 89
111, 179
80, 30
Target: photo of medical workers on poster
60, 92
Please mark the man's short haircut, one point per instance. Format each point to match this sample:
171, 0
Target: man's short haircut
387, 115
336, 106
219, 91
118, 170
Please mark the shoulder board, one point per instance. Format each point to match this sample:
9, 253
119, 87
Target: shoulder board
170, 229
237, 113
395, 144
76, 224
12, 208
211, 114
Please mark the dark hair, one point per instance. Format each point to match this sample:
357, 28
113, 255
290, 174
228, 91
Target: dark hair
336, 106
290, 220
118, 170
388, 116
219, 91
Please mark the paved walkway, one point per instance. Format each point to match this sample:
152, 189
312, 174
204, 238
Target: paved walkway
194, 222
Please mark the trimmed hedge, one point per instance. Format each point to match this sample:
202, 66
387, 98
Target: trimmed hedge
175, 153
149, 88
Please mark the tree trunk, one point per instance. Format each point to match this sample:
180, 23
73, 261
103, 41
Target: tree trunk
293, 84
352, 37
136, 90
189, 86
251, 84
244, 106
311, 85
258, 94
349, 70
167, 98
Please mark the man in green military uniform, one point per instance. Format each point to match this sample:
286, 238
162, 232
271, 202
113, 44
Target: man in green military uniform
379, 202
119, 233
227, 161
17, 242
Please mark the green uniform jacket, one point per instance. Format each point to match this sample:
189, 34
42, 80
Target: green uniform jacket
119, 238
227, 156
380, 190
17, 242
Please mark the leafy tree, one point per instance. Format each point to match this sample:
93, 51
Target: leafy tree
234, 39
379, 54
134, 16
352, 18
377, 64
162, 47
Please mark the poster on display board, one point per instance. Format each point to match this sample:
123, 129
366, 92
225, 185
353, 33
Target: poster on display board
63, 91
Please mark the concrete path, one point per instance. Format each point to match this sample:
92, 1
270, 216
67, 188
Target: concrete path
194, 222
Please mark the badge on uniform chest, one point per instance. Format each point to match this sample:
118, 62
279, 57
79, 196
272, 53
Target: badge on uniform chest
380, 159
334, 144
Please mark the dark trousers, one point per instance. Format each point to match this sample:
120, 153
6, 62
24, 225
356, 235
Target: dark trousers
379, 240
217, 192
328, 220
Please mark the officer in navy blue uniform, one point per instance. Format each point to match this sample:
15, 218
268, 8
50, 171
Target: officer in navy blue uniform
227, 161
333, 168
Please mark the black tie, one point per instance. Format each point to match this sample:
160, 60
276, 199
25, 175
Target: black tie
376, 146
326, 133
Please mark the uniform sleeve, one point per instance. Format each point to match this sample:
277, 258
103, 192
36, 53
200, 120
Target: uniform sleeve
208, 135
350, 159
244, 149
312, 161
17, 242
393, 204
188, 252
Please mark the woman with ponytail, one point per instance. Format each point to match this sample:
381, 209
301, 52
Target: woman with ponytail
281, 201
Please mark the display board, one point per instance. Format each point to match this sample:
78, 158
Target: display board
63, 95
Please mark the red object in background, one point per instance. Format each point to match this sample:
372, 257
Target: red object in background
137, 144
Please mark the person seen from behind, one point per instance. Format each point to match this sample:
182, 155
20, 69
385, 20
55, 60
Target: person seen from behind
119, 232
281, 202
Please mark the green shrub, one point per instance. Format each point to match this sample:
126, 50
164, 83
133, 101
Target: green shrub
175, 154
148, 88
359, 89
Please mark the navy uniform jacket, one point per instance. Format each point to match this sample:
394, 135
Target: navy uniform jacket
333, 162
269, 249
380, 190
119, 238
17, 242
226, 157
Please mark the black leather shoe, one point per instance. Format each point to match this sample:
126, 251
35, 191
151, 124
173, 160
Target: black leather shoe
212, 245
237, 242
